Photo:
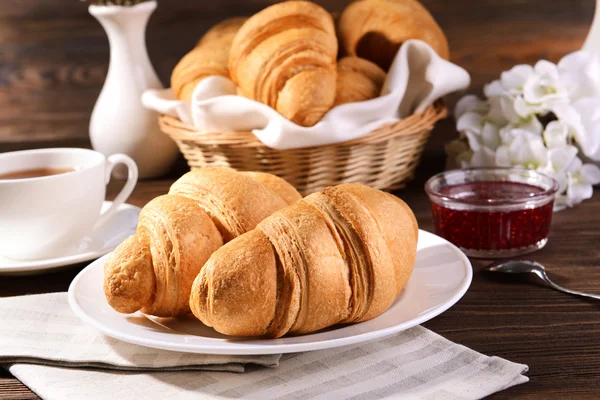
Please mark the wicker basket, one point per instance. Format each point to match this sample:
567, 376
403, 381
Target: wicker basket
386, 158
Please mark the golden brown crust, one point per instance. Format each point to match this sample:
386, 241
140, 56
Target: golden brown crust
235, 202
398, 225
278, 185
375, 29
311, 260
337, 256
200, 63
157, 266
357, 80
209, 58
129, 276
280, 53
224, 31
236, 291
375, 266
153, 270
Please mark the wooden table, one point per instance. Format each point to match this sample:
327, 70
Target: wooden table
557, 335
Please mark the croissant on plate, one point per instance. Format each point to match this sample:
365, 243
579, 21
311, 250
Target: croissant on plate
357, 80
337, 256
154, 269
375, 29
285, 57
210, 57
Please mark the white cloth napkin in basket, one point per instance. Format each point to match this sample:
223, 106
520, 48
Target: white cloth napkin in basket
57, 356
417, 78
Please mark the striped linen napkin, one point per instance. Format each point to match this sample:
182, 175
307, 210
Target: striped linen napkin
46, 347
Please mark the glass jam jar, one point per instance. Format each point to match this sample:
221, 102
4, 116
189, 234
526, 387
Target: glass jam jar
493, 212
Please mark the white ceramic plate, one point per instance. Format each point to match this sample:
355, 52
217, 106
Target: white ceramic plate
98, 243
442, 276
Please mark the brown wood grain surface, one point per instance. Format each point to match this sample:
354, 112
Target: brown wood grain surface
557, 335
54, 55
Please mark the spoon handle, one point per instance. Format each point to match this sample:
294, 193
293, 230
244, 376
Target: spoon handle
573, 292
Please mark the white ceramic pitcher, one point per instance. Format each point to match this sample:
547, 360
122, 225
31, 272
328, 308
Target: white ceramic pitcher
592, 43
120, 123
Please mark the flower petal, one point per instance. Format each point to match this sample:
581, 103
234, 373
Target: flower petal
515, 78
574, 167
532, 125
556, 134
562, 180
494, 89
544, 67
496, 114
490, 136
539, 152
562, 157
590, 174
577, 192
580, 72
508, 109
470, 103
483, 158
587, 134
470, 121
473, 139
502, 159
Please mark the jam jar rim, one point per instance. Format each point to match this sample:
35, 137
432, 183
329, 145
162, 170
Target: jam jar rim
537, 200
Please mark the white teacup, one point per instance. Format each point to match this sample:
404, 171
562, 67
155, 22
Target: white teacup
46, 216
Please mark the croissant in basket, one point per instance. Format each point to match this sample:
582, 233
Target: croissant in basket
375, 29
337, 256
153, 270
285, 57
357, 80
210, 57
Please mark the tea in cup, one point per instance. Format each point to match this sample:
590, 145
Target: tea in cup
52, 198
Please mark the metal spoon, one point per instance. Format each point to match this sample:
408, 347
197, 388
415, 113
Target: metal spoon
531, 267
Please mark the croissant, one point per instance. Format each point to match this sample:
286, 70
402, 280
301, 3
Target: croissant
337, 256
224, 31
209, 58
154, 269
375, 29
357, 80
285, 57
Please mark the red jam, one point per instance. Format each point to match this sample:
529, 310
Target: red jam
491, 230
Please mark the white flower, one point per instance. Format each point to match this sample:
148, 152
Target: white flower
461, 156
508, 105
470, 103
505, 128
495, 89
484, 157
583, 119
515, 79
521, 148
544, 87
531, 124
559, 161
575, 179
580, 179
499, 109
524, 109
556, 134
580, 73
584, 115
478, 131
525, 90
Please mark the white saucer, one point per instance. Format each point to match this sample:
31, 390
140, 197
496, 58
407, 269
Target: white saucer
96, 244
442, 276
